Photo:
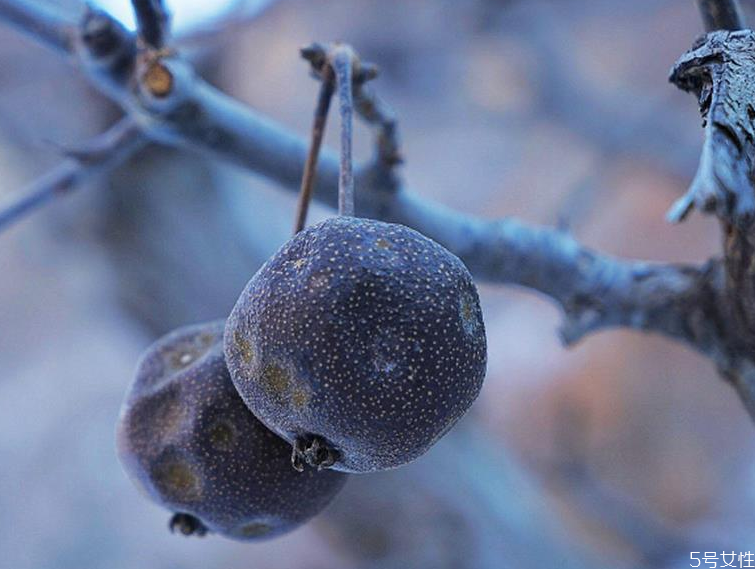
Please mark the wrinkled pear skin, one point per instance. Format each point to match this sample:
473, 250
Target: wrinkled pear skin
188, 441
363, 334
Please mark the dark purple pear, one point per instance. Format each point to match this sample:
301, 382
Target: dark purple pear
360, 342
188, 441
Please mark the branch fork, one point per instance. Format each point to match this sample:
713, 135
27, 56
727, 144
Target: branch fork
708, 307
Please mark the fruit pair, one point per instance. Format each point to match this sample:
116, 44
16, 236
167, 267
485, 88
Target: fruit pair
359, 342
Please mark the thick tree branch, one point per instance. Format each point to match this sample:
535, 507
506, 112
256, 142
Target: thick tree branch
720, 71
170, 103
721, 14
596, 291
192, 113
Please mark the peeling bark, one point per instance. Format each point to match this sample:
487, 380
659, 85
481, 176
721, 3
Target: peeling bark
720, 71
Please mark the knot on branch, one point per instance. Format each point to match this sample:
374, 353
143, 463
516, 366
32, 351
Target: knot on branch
155, 76
101, 34
720, 71
163, 92
321, 56
106, 48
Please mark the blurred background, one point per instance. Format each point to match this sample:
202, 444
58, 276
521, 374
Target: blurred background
625, 451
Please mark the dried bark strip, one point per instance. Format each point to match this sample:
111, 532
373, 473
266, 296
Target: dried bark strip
720, 71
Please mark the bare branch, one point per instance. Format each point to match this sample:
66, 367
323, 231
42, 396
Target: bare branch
163, 95
151, 22
720, 71
370, 109
192, 113
99, 155
596, 291
39, 22
721, 15
375, 112
170, 103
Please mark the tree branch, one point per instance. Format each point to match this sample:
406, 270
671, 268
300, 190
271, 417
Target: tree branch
39, 22
152, 22
375, 112
721, 15
101, 154
596, 291
171, 104
720, 71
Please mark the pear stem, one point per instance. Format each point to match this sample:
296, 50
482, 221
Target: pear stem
342, 60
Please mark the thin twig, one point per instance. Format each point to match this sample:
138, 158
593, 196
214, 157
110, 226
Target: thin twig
39, 22
721, 15
102, 153
151, 22
374, 111
318, 130
342, 60
688, 303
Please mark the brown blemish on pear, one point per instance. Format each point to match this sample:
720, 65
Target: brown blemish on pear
176, 478
275, 379
245, 348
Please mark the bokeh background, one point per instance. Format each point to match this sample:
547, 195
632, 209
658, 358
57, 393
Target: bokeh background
625, 451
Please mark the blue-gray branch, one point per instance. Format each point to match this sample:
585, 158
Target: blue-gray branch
172, 105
